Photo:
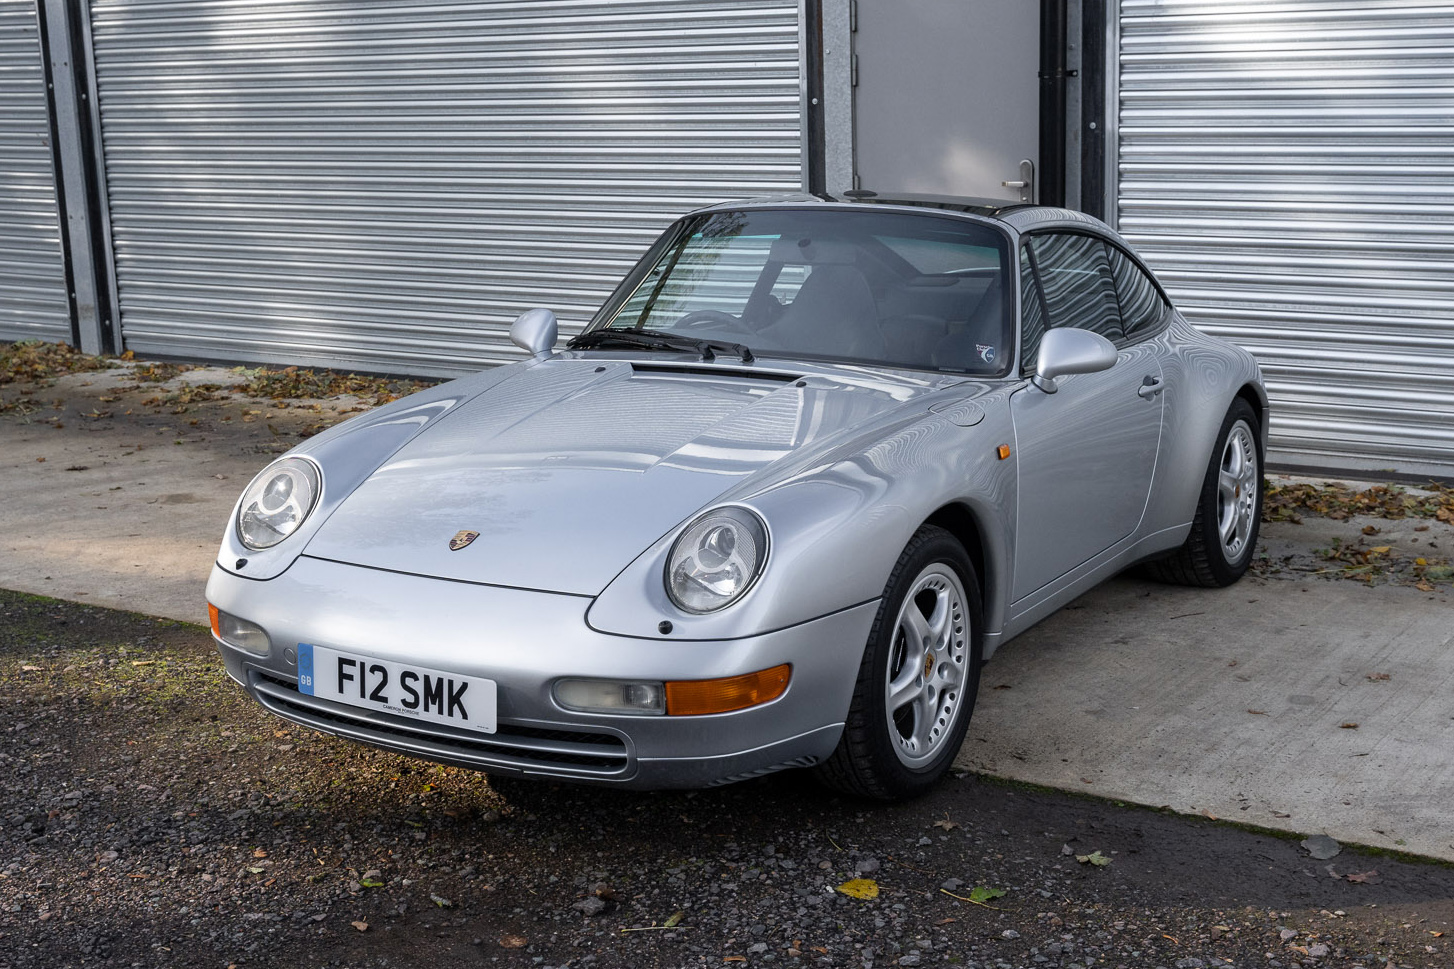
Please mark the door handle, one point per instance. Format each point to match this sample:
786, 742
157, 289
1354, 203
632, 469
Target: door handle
1151, 386
1025, 184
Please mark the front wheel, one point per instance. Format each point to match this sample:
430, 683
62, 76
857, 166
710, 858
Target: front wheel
918, 678
1223, 535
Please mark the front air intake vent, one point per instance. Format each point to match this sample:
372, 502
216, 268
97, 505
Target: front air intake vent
514, 746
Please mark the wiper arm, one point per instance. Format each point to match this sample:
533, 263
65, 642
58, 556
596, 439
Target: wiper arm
658, 340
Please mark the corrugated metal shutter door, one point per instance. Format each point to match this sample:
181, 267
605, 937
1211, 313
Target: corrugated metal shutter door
1288, 168
386, 185
33, 303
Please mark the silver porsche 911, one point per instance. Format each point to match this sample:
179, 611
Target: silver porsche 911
808, 467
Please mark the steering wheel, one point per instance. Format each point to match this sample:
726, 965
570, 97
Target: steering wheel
714, 319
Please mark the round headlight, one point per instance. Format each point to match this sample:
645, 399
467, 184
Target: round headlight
716, 559
277, 502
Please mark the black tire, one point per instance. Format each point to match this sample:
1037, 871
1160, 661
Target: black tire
874, 758
1205, 559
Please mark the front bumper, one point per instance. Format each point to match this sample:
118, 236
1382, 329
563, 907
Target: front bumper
525, 641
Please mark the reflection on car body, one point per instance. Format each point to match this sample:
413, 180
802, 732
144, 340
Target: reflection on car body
811, 463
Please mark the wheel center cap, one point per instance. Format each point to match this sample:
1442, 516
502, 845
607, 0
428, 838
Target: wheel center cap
928, 665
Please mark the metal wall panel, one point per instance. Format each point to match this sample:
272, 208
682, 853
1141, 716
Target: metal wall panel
1288, 169
386, 185
33, 299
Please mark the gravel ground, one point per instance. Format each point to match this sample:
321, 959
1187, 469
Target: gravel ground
151, 816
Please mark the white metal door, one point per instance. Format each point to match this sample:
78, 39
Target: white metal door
33, 299
948, 95
386, 185
1288, 169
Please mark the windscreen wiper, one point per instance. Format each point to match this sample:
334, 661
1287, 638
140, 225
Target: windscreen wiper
658, 340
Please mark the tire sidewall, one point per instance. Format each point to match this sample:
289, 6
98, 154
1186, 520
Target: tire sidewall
940, 548
1224, 570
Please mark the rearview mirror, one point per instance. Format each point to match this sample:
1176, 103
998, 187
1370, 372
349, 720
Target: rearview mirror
1066, 350
534, 331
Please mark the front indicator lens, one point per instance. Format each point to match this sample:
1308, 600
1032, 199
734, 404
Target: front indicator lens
716, 559
686, 698
246, 636
610, 696
277, 502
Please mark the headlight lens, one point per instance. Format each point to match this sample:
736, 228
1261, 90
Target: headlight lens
277, 502
716, 559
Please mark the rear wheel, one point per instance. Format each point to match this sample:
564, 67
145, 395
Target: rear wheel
1223, 535
918, 678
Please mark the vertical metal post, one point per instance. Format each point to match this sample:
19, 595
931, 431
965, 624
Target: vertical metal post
810, 19
67, 105
838, 80
1094, 90
1052, 101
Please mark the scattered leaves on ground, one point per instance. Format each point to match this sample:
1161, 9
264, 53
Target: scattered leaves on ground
33, 361
299, 382
1331, 499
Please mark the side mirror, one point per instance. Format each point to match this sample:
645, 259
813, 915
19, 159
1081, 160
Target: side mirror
1065, 350
534, 331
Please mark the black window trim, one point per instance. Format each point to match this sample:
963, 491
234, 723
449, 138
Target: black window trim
1027, 366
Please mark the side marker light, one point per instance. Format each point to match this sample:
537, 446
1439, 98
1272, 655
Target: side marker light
1003, 451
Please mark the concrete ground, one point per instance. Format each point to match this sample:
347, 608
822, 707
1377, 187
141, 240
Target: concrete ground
1290, 701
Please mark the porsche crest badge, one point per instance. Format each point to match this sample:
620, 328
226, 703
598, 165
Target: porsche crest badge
461, 539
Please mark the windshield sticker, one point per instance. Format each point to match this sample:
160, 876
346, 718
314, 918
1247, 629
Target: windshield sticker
987, 354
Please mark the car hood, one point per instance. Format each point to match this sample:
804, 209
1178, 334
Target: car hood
571, 468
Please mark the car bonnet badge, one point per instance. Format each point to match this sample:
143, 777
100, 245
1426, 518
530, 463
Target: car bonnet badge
461, 539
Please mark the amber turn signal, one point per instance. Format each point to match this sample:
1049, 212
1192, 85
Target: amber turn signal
1003, 451
212, 616
686, 698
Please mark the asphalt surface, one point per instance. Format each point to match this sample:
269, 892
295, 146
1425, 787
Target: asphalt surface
152, 816
1288, 702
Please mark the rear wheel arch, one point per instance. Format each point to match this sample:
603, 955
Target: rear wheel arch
1258, 402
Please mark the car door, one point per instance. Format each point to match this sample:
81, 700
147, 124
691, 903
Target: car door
1087, 453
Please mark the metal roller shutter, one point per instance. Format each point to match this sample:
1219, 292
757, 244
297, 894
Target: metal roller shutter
1288, 169
33, 300
386, 185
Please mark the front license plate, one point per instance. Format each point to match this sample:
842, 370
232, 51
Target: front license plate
403, 690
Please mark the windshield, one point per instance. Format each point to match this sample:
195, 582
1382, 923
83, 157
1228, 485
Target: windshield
866, 286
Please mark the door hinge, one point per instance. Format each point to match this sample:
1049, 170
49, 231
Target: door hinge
852, 16
853, 71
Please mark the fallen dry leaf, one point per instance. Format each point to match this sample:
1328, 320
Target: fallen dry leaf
1379, 676
1365, 878
1094, 858
1348, 725
361, 926
513, 942
1370, 529
1258, 713
946, 824
864, 888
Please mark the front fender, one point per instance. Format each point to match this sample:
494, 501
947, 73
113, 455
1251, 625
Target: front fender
836, 532
347, 454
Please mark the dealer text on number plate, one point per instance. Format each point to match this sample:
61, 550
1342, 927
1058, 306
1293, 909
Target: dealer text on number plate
389, 687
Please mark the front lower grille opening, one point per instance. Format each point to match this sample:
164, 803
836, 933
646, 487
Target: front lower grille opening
512, 745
